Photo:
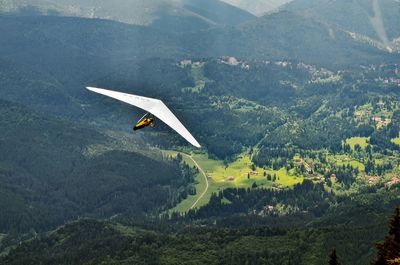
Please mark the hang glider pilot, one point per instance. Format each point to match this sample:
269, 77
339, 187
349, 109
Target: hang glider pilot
146, 120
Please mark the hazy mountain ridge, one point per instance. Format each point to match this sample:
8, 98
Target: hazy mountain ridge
368, 18
378, 20
258, 7
291, 36
283, 35
164, 13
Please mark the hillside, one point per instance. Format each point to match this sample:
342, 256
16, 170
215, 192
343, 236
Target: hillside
53, 170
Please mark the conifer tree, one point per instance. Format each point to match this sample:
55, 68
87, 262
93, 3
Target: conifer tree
333, 258
389, 250
394, 227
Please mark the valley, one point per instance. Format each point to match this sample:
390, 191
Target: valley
271, 158
297, 112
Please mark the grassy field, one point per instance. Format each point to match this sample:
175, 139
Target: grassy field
238, 174
362, 141
186, 204
345, 160
379, 162
396, 140
200, 186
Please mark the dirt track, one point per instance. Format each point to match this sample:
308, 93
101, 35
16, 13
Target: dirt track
205, 178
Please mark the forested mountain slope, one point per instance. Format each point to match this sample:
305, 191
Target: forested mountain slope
122, 241
52, 171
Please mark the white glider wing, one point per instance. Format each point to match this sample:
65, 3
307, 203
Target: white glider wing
155, 107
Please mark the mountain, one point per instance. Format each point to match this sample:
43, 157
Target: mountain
170, 15
374, 19
258, 7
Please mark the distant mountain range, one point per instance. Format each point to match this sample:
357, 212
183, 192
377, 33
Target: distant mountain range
292, 36
376, 20
258, 7
166, 13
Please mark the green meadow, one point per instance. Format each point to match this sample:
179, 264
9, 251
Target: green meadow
238, 174
362, 141
346, 160
200, 185
396, 140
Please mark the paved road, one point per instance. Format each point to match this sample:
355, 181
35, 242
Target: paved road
205, 178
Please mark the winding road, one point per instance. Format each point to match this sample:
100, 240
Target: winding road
205, 178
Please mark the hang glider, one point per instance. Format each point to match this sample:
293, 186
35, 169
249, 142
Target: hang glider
153, 106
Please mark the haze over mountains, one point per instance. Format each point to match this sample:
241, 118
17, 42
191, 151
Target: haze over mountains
377, 20
199, 28
258, 7
138, 12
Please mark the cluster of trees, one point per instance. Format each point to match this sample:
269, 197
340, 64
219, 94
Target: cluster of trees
381, 139
373, 168
389, 249
259, 82
273, 157
304, 197
345, 174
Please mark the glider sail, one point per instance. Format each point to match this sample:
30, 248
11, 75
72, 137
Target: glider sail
155, 107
